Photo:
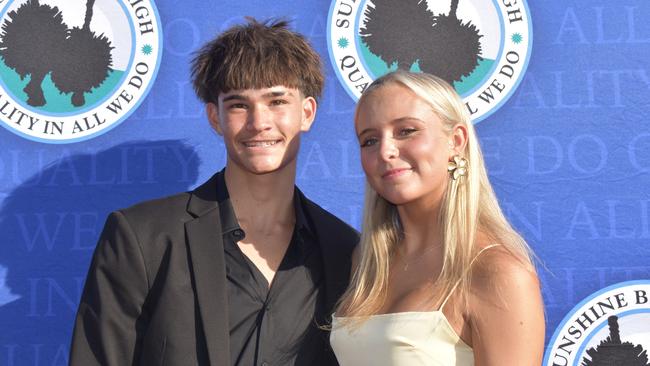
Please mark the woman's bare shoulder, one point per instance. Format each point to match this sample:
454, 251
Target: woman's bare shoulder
506, 309
498, 272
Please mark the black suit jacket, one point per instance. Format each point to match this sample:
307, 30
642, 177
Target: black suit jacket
156, 289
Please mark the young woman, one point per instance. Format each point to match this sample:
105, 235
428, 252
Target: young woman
440, 277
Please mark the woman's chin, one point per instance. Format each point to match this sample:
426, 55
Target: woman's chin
397, 198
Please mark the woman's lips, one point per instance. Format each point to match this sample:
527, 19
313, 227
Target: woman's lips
394, 173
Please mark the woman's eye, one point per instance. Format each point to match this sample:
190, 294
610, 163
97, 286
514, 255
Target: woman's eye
368, 142
407, 131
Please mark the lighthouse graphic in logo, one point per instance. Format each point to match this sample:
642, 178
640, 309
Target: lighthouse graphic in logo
610, 327
612, 351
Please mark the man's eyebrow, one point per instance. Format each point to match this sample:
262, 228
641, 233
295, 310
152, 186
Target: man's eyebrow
278, 93
234, 97
271, 94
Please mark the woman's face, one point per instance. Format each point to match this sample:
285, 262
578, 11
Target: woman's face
404, 148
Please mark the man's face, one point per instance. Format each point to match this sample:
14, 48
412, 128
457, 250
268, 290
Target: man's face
261, 127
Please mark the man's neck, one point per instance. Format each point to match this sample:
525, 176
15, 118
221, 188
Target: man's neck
262, 201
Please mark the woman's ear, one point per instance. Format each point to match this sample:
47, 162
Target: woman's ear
458, 139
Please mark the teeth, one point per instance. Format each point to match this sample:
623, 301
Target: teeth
260, 143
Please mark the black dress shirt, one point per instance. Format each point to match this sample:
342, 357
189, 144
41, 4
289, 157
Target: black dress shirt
272, 325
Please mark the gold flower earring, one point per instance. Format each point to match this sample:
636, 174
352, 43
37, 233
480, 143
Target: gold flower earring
458, 167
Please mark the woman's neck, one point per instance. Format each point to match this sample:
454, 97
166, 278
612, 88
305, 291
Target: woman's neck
421, 225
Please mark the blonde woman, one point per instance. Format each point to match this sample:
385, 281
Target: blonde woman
440, 277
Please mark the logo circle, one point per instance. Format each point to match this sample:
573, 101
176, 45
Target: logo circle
611, 324
72, 70
481, 47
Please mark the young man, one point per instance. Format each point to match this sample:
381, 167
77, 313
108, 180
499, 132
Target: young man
244, 270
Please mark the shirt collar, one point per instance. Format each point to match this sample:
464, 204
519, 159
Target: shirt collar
227, 213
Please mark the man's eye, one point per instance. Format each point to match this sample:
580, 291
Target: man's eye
278, 102
237, 106
368, 142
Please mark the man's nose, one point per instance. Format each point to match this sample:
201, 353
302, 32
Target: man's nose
258, 119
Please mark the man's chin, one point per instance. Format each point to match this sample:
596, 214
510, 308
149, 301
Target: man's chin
262, 165
263, 169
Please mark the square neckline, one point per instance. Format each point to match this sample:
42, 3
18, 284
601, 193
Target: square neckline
450, 330
439, 312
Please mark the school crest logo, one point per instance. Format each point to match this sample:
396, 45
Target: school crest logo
609, 328
73, 69
481, 47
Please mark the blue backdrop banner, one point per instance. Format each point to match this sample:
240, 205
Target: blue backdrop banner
559, 93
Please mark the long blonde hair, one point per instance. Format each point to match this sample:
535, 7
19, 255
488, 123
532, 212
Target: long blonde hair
469, 206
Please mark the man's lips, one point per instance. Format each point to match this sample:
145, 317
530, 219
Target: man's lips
260, 143
395, 172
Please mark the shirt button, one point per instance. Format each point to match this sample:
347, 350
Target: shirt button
265, 363
238, 234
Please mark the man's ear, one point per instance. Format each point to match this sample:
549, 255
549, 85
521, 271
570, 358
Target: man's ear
309, 106
212, 111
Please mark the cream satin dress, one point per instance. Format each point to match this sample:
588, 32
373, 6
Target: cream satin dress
418, 338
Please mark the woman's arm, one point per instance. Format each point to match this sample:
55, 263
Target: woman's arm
506, 312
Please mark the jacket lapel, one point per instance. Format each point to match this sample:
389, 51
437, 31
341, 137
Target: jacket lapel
336, 263
205, 244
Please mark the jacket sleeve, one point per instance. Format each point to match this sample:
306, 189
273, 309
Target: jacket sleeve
109, 322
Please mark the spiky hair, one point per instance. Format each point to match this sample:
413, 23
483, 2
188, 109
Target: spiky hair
256, 55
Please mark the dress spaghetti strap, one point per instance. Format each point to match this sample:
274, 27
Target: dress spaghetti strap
470, 266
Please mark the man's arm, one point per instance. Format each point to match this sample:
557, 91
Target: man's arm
107, 329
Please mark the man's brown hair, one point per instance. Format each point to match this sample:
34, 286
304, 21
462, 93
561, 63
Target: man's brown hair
256, 55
